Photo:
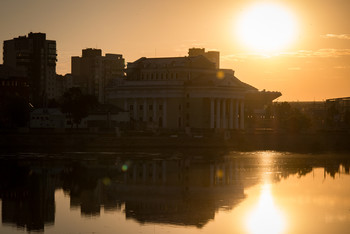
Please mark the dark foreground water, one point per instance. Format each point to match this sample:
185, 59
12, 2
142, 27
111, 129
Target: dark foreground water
175, 192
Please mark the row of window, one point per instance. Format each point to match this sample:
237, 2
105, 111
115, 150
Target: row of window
12, 83
159, 76
150, 107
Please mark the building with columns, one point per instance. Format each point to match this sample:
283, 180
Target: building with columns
180, 92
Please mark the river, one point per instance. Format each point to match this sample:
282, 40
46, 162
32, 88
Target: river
169, 191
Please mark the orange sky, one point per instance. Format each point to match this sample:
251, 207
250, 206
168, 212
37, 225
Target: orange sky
316, 66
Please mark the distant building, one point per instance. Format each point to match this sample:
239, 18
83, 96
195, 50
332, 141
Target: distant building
93, 72
213, 56
181, 93
103, 116
63, 83
13, 83
36, 57
338, 112
47, 118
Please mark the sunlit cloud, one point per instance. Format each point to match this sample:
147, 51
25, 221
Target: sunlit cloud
341, 67
321, 53
241, 57
336, 36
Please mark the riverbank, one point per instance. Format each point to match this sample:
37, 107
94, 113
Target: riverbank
240, 141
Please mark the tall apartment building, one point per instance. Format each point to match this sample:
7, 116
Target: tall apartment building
93, 72
36, 57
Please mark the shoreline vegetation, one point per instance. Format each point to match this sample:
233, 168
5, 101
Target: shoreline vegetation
107, 141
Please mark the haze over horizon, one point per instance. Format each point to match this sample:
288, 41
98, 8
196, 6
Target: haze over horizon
313, 63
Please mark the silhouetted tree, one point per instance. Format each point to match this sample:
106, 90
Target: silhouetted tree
347, 119
77, 105
290, 119
52, 103
14, 112
332, 117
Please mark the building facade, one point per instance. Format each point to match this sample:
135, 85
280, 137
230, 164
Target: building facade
93, 72
63, 83
181, 92
36, 57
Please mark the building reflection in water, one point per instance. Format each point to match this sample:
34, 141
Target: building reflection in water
27, 196
179, 190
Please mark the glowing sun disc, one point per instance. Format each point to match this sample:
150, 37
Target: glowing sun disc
266, 27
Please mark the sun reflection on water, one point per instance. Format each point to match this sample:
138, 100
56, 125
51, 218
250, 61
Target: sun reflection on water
265, 217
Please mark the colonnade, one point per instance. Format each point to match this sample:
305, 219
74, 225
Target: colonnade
148, 107
227, 113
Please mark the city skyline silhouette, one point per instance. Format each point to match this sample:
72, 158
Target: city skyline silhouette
314, 66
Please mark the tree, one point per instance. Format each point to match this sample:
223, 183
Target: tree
14, 112
290, 119
77, 105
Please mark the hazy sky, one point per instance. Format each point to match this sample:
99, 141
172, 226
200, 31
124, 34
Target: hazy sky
315, 66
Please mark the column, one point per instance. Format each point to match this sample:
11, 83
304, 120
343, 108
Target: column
164, 171
154, 172
212, 175
230, 124
224, 113
135, 109
230, 173
236, 114
145, 110
218, 113
212, 111
154, 110
223, 173
241, 115
164, 113
144, 174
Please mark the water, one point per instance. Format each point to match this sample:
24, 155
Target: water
174, 192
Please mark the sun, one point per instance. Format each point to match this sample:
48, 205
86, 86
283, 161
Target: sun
266, 27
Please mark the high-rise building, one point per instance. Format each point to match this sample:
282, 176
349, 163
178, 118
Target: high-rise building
36, 57
93, 72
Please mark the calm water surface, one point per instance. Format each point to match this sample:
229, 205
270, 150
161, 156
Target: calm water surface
182, 192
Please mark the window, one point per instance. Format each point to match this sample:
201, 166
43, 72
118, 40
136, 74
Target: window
160, 107
131, 107
150, 107
141, 107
